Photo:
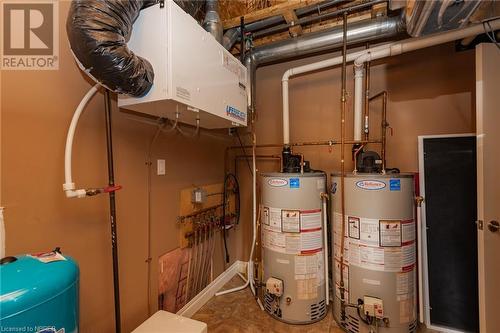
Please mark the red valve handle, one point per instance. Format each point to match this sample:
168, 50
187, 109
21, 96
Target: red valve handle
110, 189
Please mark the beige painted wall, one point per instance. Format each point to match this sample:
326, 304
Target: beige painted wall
36, 108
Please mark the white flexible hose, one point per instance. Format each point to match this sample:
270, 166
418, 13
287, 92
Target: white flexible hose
325, 250
69, 186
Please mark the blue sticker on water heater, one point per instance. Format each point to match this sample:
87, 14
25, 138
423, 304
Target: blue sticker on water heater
294, 182
395, 184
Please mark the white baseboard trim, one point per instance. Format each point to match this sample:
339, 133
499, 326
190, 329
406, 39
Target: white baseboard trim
206, 294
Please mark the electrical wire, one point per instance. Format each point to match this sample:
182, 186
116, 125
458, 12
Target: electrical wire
225, 198
491, 33
244, 151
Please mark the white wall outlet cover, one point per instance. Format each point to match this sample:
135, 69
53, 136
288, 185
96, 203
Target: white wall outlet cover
160, 167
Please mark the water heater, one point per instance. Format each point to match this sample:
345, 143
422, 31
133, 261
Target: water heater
196, 78
379, 267
292, 246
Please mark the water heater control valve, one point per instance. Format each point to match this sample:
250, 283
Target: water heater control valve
274, 286
373, 307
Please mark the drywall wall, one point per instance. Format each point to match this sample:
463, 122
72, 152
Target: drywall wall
431, 91
36, 110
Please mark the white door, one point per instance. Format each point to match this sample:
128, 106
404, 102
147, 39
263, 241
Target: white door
488, 184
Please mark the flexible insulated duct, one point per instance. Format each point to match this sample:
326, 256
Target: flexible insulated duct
98, 31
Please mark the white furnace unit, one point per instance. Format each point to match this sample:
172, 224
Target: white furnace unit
379, 266
293, 253
196, 79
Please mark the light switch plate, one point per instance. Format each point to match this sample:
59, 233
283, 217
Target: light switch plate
160, 167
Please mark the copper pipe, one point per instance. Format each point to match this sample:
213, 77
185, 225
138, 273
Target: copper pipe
343, 101
356, 152
383, 125
310, 143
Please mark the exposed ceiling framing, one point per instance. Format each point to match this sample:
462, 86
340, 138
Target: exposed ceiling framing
232, 11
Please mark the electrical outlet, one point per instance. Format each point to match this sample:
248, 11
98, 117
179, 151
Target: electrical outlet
160, 167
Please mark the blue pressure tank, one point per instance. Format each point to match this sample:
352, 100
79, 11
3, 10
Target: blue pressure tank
39, 295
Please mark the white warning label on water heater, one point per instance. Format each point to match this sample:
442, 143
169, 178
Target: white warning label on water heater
274, 218
273, 240
382, 245
390, 233
311, 241
290, 220
310, 219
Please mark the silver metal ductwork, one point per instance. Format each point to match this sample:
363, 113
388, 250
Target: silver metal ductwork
319, 42
212, 22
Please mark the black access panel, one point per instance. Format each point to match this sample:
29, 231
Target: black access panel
451, 231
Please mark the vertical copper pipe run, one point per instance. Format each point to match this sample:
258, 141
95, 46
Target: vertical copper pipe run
383, 125
343, 102
384, 128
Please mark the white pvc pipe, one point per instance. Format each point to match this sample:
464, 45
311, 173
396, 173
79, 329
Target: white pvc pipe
286, 114
306, 69
325, 249
254, 217
69, 185
358, 103
420, 263
373, 53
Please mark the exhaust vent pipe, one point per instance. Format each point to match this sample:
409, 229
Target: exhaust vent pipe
98, 32
212, 22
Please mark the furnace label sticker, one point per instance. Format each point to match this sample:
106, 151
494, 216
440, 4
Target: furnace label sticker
310, 219
390, 233
353, 227
311, 241
290, 220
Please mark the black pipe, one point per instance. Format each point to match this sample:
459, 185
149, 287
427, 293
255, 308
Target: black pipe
320, 17
112, 208
231, 35
242, 39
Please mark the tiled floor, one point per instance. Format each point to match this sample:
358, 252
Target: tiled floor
238, 312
